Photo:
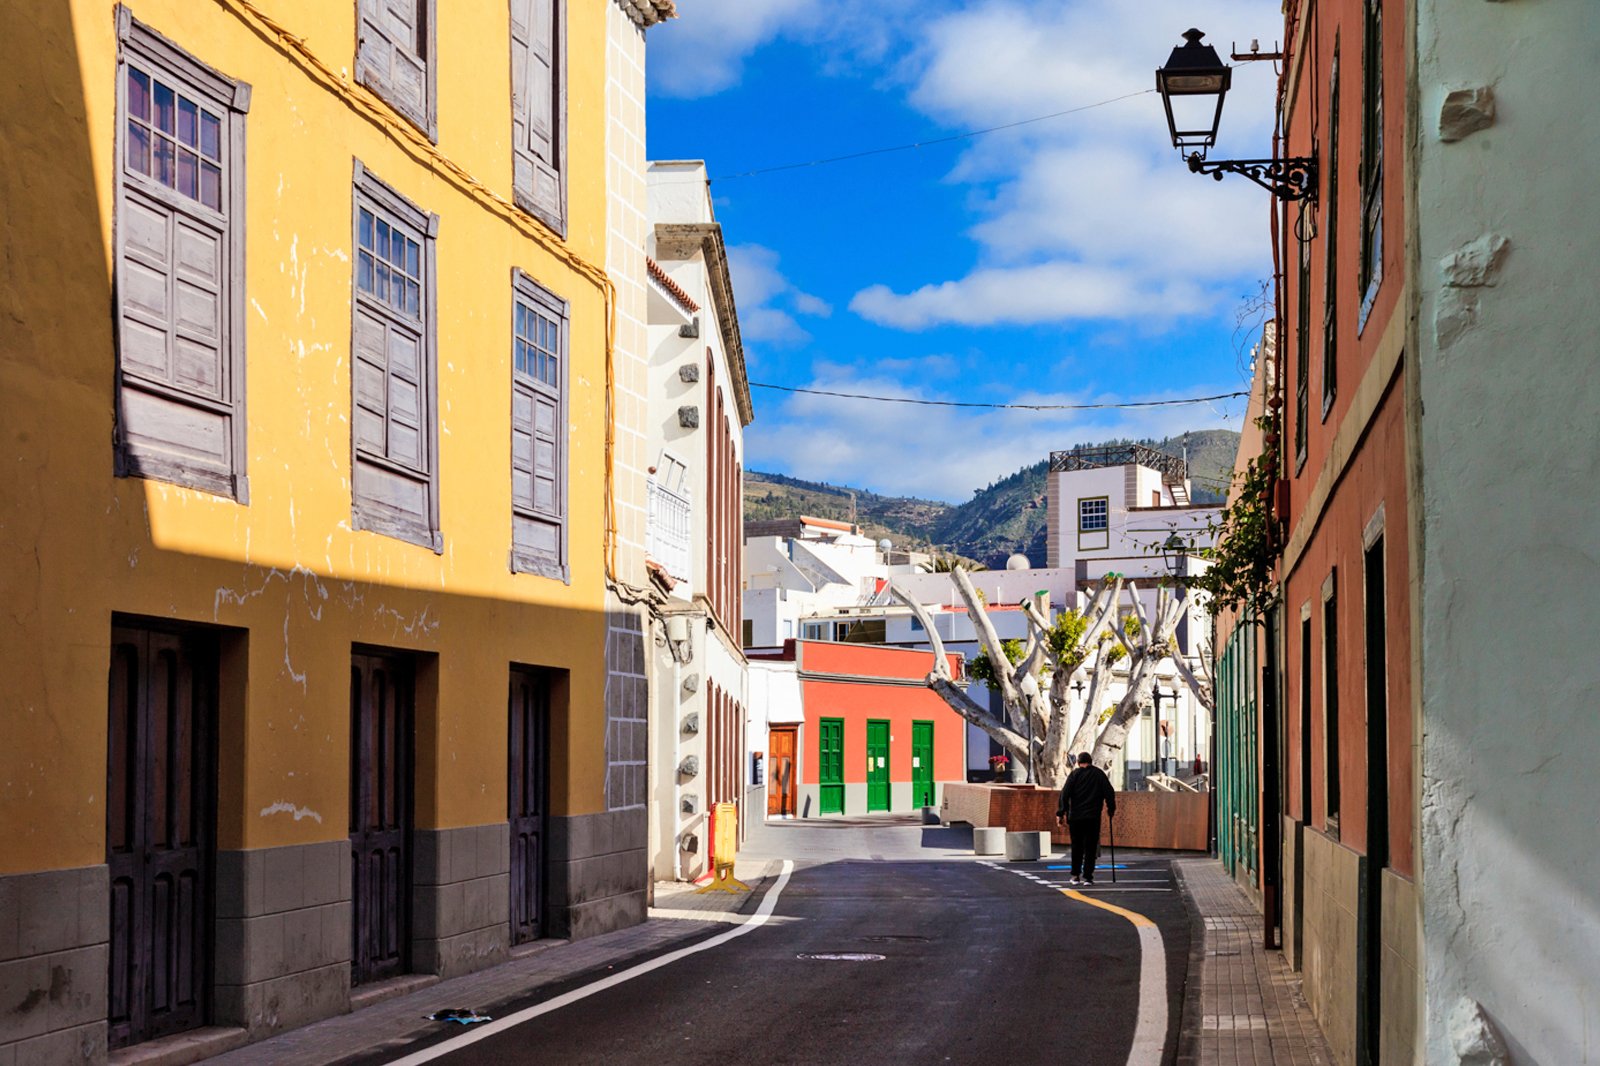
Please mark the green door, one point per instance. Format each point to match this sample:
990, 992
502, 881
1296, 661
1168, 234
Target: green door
922, 764
877, 766
830, 765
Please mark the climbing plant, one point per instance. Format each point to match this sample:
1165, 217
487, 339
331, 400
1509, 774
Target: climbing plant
1240, 574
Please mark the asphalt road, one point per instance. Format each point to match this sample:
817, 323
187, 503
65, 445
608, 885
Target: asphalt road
979, 963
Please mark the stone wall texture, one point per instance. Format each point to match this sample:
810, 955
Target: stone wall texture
54, 939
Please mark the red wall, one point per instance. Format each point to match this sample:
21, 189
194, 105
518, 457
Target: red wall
856, 701
1376, 475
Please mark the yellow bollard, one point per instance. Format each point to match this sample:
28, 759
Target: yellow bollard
724, 850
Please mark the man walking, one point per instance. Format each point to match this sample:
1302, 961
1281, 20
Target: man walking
1086, 789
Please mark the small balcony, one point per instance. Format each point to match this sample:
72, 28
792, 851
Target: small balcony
670, 524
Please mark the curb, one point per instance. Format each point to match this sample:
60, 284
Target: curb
1188, 1051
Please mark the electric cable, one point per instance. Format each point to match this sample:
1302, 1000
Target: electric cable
913, 145
1000, 406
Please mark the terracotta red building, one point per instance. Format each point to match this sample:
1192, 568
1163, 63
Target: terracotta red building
873, 737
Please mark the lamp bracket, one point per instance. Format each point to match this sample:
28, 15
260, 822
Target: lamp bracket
1287, 179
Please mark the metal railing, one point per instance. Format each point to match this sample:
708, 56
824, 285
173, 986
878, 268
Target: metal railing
670, 525
1171, 467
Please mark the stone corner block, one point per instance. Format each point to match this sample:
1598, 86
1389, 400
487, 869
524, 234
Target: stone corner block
989, 840
1022, 847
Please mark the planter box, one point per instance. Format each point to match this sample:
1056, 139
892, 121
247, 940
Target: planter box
1167, 821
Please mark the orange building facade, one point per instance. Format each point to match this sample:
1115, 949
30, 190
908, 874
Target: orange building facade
875, 738
1346, 857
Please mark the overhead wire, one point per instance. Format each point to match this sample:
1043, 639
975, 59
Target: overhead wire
914, 145
1119, 405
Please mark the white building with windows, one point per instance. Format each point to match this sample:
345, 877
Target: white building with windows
1126, 510
699, 403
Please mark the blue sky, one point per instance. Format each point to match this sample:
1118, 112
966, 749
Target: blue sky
1072, 260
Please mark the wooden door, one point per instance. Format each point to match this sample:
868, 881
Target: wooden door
781, 772
528, 779
382, 701
160, 820
877, 766
922, 764
830, 766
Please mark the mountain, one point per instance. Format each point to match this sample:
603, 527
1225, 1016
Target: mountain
1005, 517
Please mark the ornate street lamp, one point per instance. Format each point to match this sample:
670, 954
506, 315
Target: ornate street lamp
1175, 554
1193, 85
1156, 697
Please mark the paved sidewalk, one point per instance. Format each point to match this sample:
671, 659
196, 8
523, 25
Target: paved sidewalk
679, 916
1251, 1009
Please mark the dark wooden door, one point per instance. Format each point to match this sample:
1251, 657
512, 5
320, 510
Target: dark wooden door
160, 817
780, 772
382, 700
528, 796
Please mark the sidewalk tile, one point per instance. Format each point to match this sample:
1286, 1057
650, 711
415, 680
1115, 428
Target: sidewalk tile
1251, 1009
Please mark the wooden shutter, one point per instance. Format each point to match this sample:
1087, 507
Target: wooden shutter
392, 54
179, 268
538, 430
538, 108
394, 479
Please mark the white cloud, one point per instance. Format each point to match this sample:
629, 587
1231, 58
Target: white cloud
1091, 216
772, 326
703, 51
940, 452
808, 304
1023, 295
767, 300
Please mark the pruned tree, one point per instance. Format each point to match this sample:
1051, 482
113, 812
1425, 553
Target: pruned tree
1033, 678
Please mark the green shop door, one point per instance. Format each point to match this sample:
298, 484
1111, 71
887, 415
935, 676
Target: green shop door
830, 765
922, 764
877, 766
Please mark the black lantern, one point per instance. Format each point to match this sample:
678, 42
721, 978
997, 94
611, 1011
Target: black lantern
1193, 78
1193, 85
1175, 553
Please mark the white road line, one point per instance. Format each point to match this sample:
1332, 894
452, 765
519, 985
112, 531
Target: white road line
769, 903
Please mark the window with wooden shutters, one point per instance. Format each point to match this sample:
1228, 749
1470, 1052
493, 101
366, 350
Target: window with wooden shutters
179, 267
539, 109
1371, 157
1330, 237
394, 479
394, 56
538, 430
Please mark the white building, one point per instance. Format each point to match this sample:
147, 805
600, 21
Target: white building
699, 405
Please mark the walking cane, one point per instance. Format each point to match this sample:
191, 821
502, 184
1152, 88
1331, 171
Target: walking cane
1113, 818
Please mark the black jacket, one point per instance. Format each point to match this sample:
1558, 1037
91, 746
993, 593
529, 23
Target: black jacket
1086, 788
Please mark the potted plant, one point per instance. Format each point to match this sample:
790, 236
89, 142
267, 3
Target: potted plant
997, 764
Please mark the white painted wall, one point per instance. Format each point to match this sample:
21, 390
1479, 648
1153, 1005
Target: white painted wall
1126, 546
1511, 483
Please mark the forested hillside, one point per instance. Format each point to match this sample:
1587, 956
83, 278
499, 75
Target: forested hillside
1005, 517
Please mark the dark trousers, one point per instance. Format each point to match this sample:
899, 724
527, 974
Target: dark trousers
1085, 845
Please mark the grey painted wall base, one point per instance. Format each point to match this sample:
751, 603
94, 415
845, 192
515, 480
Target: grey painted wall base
855, 799
54, 945
598, 872
462, 911
283, 939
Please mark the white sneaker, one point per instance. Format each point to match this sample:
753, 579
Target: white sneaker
1074, 881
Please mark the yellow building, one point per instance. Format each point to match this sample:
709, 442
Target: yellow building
323, 503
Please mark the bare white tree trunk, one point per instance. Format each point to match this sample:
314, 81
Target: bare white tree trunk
1146, 650
941, 681
1036, 716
